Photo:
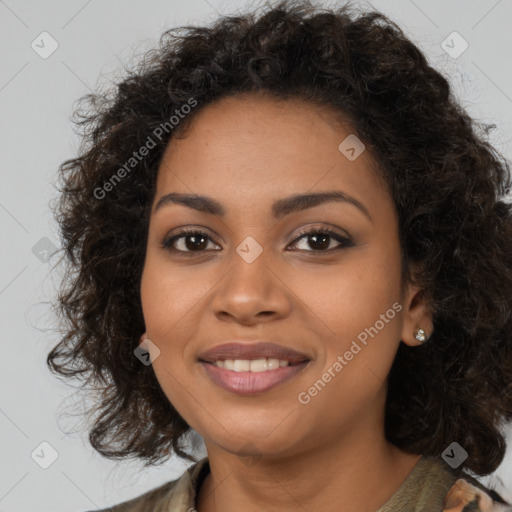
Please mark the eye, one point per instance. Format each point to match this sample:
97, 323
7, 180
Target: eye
320, 239
194, 240
189, 241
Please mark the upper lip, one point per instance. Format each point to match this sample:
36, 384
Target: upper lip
257, 350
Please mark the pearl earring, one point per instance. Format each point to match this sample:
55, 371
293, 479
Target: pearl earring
420, 335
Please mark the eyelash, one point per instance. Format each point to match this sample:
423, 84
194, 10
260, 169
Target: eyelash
345, 241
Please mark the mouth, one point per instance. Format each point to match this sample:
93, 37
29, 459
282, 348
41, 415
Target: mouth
249, 369
252, 365
248, 382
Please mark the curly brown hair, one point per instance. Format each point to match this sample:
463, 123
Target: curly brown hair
448, 185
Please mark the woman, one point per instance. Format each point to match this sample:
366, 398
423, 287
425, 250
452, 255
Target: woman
285, 234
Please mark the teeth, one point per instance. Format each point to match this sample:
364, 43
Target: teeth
254, 365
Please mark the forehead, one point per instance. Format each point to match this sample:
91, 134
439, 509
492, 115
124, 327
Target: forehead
250, 148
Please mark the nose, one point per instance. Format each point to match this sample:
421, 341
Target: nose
252, 291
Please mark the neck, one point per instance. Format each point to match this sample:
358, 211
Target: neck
358, 472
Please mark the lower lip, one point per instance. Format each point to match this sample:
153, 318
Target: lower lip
250, 383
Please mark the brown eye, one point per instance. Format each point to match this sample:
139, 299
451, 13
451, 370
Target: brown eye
320, 239
189, 240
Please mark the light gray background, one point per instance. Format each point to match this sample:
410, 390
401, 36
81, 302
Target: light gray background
36, 101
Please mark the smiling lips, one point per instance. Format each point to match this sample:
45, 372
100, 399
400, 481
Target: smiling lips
248, 369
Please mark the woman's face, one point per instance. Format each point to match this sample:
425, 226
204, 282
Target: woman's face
253, 275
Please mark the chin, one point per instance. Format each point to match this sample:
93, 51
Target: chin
253, 442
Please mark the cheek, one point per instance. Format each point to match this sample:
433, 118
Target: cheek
169, 296
350, 296
168, 302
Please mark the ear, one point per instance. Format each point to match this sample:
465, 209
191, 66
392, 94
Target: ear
142, 337
417, 314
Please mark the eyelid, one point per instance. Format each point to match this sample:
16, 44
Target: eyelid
323, 228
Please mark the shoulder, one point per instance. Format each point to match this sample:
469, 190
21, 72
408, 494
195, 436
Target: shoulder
176, 495
433, 485
469, 495
145, 502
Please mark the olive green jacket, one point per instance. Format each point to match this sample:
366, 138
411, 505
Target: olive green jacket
430, 487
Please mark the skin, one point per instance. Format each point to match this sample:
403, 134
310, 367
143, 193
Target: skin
269, 451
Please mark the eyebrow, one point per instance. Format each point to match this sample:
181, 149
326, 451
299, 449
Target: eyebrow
280, 208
